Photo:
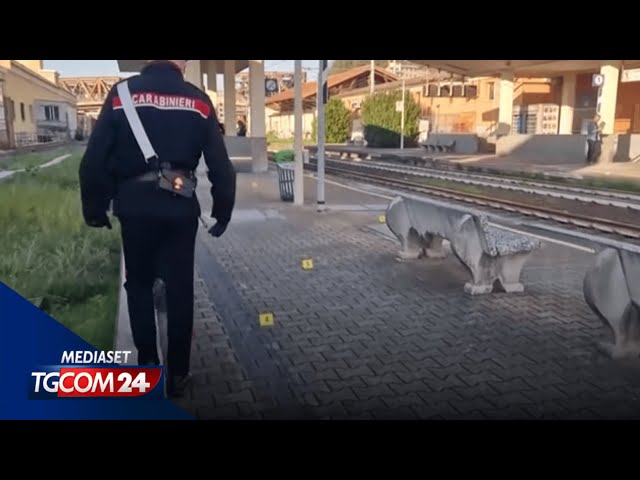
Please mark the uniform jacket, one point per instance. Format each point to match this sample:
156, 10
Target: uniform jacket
181, 124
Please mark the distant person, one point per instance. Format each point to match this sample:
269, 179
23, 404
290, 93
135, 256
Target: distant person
143, 157
594, 139
242, 129
222, 130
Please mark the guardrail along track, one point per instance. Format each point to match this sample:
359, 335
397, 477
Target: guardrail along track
590, 222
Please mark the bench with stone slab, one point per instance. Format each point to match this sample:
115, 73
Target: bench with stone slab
491, 255
612, 290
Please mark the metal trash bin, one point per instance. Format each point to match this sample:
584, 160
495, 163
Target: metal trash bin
285, 181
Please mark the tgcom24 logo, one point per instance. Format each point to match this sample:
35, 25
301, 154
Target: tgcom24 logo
87, 374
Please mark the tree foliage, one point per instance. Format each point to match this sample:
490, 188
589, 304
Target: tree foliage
382, 124
337, 122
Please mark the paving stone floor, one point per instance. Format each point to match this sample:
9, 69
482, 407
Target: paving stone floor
363, 336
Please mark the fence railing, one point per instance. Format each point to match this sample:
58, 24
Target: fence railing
33, 138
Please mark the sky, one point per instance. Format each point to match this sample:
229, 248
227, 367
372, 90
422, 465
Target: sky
90, 68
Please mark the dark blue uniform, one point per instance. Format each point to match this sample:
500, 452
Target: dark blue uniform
158, 227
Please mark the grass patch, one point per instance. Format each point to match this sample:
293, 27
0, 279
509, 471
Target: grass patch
286, 143
604, 184
32, 159
597, 182
607, 184
47, 251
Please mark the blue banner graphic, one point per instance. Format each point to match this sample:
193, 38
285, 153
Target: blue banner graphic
35, 384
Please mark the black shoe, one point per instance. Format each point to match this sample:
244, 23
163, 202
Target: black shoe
178, 384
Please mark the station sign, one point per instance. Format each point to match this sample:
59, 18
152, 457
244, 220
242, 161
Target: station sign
632, 75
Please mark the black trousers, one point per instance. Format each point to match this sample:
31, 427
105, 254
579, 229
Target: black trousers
594, 148
160, 248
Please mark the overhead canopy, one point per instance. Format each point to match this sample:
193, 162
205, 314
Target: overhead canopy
523, 68
136, 65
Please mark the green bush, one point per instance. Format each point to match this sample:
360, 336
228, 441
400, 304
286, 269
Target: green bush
337, 120
382, 123
284, 156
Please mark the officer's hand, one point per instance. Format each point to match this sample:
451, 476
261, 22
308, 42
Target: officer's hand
100, 221
218, 229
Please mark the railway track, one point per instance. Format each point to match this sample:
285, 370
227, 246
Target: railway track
588, 195
589, 222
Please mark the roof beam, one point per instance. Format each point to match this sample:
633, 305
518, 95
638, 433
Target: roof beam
541, 68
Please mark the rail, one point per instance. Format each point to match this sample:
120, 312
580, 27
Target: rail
600, 197
605, 225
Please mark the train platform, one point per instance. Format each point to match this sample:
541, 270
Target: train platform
360, 335
513, 164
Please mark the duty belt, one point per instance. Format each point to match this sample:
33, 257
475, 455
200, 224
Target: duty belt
147, 177
153, 175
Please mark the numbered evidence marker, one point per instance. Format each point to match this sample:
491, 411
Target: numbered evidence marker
382, 219
266, 319
307, 264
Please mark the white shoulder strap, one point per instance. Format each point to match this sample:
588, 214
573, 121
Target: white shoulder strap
134, 122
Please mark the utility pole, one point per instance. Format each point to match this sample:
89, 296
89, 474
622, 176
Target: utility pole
402, 113
402, 119
372, 77
298, 178
321, 99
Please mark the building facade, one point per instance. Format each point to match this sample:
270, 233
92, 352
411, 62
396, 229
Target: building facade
609, 87
407, 70
470, 106
35, 108
279, 108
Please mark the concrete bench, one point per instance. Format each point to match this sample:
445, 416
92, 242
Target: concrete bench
612, 289
490, 254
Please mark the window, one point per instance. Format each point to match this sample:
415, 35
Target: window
431, 90
457, 91
445, 91
31, 113
471, 91
491, 90
22, 115
52, 113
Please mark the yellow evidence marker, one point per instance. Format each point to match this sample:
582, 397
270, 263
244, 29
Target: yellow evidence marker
382, 219
307, 264
266, 319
